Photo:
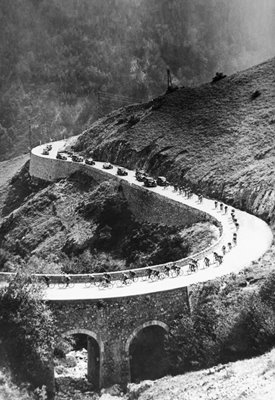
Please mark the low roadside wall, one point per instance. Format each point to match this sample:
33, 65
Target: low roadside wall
145, 205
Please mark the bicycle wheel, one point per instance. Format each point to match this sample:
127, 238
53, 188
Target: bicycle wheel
70, 285
88, 284
61, 285
51, 285
161, 276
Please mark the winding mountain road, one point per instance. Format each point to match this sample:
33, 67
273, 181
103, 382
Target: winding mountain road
254, 239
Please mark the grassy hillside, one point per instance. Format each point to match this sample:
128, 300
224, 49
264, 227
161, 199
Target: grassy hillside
250, 379
217, 137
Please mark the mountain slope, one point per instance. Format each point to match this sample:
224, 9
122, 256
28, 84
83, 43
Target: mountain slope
218, 137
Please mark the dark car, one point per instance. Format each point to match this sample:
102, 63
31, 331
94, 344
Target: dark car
122, 171
162, 181
107, 165
77, 158
61, 156
45, 152
150, 182
141, 175
49, 147
89, 161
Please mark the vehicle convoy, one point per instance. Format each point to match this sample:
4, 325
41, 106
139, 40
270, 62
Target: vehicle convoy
61, 156
107, 165
141, 175
150, 182
121, 171
47, 149
77, 158
162, 181
89, 161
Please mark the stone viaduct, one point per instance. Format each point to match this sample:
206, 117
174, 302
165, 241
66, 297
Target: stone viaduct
112, 325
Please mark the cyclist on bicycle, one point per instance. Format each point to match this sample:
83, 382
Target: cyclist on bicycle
149, 273
47, 280
221, 206
225, 209
167, 270
132, 275
223, 249
216, 204
206, 261
67, 280
107, 278
124, 279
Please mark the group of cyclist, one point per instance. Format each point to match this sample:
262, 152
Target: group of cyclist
153, 274
183, 190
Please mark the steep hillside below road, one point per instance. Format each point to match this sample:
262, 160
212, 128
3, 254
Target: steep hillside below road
217, 137
7, 171
248, 379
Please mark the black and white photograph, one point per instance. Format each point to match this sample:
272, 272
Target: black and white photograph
137, 199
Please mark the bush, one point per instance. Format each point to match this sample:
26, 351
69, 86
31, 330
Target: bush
267, 291
253, 332
220, 329
27, 330
191, 342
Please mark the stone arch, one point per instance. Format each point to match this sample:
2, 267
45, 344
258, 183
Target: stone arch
139, 329
138, 348
96, 337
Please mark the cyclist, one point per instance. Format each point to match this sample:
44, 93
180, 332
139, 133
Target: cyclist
156, 274
221, 206
67, 280
124, 279
229, 245
225, 209
132, 275
237, 225
235, 238
167, 270
206, 262
216, 204
47, 280
149, 273
223, 249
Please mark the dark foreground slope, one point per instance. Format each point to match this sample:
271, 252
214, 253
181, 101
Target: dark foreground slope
217, 137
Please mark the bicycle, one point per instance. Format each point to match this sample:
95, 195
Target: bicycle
90, 282
65, 283
48, 283
105, 282
175, 270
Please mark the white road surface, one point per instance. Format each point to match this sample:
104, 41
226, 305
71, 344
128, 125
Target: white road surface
254, 239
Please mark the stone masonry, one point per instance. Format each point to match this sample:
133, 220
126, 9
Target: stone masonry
113, 323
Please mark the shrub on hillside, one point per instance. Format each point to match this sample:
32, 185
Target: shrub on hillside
220, 329
253, 332
267, 291
27, 330
191, 342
